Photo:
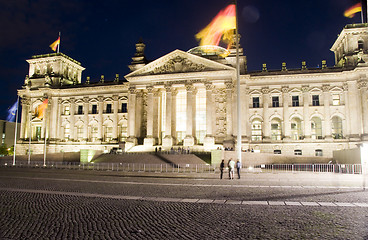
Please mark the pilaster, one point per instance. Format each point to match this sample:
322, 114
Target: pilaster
209, 140
167, 141
286, 128
115, 133
191, 100
326, 107
307, 122
149, 140
266, 120
132, 139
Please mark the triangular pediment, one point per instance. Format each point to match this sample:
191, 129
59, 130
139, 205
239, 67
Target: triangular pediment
179, 62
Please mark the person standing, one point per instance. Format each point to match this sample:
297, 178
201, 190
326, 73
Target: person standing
222, 166
238, 166
231, 168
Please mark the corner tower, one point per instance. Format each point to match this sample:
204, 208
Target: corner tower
351, 46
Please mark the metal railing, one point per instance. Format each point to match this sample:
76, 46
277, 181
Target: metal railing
190, 168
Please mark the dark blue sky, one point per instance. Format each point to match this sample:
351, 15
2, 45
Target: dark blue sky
101, 34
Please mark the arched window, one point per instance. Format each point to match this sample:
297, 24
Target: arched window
337, 128
296, 129
108, 132
80, 132
316, 128
276, 129
93, 133
67, 132
256, 130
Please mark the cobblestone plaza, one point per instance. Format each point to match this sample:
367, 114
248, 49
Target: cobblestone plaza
77, 204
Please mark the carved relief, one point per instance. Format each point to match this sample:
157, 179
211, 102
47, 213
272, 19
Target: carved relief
305, 88
326, 88
362, 84
265, 90
284, 89
345, 87
220, 111
178, 64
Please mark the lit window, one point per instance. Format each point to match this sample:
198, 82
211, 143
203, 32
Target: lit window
337, 128
336, 99
256, 130
276, 129
108, 133
66, 110
123, 133
67, 131
316, 127
80, 132
296, 129
94, 133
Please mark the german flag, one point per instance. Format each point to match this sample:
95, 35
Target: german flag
40, 109
350, 13
55, 44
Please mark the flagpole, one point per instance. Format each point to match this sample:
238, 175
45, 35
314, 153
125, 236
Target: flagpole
239, 136
58, 48
16, 131
45, 136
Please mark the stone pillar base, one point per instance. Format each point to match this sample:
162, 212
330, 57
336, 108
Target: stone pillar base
149, 142
209, 143
167, 142
130, 142
188, 141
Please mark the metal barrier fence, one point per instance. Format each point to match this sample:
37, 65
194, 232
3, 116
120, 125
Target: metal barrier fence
190, 168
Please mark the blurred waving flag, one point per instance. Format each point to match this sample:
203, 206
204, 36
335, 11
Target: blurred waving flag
40, 109
55, 44
221, 27
350, 13
12, 111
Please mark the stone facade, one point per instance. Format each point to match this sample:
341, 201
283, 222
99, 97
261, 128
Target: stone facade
188, 99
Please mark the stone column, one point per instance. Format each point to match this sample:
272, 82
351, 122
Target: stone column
156, 127
266, 120
100, 119
364, 103
286, 128
168, 140
72, 120
307, 122
25, 117
115, 133
326, 107
132, 139
209, 140
149, 141
54, 119
347, 110
59, 132
229, 108
191, 105
244, 100
85, 118
354, 109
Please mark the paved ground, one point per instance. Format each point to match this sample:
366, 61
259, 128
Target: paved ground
76, 204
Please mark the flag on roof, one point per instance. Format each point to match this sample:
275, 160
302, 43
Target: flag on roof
350, 13
55, 44
12, 111
221, 27
40, 109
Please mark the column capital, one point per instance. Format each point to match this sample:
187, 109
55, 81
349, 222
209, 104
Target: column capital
86, 100
131, 90
168, 88
265, 90
25, 101
285, 89
189, 87
362, 84
60, 101
305, 88
229, 85
115, 97
139, 93
100, 98
345, 87
325, 88
149, 89
209, 86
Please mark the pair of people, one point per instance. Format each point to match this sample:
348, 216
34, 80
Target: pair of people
231, 166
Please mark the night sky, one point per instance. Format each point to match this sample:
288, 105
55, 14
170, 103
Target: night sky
102, 34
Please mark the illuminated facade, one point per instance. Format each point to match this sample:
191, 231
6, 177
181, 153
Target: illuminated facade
189, 99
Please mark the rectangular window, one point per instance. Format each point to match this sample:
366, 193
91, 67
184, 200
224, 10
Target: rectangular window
276, 151
94, 109
67, 110
319, 153
80, 109
297, 152
124, 107
255, 102
295, 101
315, 100
108, 108
275, 102
336, 99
